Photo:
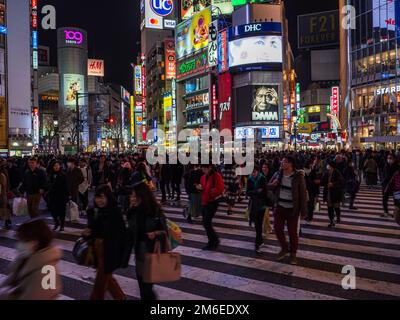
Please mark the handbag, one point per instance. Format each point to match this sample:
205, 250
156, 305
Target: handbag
161, 267
83, 252
317, 206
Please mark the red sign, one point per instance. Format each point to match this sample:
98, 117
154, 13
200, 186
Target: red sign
334, 103
214, 102
223, 48
224, 98
170, 59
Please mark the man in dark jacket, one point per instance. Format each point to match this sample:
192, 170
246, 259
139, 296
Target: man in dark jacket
176, 179
74, 179
34, 183
391, 167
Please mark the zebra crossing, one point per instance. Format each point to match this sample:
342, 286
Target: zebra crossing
363, 239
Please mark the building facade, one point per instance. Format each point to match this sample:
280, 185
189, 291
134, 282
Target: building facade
375, 74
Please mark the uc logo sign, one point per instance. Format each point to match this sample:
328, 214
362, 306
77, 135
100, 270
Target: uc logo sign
162, 7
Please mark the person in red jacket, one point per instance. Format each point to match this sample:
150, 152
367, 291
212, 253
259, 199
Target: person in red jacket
212, 188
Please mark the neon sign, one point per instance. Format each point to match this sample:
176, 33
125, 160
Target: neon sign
73, 37
162, 7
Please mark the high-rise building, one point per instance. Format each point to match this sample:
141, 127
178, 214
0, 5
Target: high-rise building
259, 57
18, 60
375, 80
72, 67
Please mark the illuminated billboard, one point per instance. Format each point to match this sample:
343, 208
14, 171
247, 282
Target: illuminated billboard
170, 59
265, 105
138, 80
159, 14
73, 83
190, 7
96, 67
193, 35
255, 50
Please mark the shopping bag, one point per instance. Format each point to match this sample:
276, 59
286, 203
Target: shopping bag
174, 234
247, 214
161, 267
72, 211
317, 206
267, 229
20, 207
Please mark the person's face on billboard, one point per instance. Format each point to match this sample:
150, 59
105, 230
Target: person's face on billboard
261, 99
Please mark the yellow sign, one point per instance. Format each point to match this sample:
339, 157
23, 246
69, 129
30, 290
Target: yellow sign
306, 128
314, 109
199, 35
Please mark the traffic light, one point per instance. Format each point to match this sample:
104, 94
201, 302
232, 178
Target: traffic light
110, 120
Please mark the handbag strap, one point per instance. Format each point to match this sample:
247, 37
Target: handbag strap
157, 246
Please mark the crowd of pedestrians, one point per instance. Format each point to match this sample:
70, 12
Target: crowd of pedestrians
126, 217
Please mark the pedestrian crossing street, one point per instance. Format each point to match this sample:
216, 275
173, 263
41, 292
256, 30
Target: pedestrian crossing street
364, 240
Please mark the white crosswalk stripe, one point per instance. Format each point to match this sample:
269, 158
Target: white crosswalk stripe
364, 239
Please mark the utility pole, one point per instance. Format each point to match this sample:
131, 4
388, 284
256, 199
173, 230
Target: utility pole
78, 135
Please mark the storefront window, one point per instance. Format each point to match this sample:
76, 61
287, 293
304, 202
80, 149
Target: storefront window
196, 84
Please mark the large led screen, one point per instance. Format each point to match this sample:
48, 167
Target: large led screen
255, 50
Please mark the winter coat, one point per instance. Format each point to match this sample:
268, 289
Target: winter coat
388, 173
257, 191
25, 279
177, 173
141, 223
193, 178
33, 181
213, 187
299, 192
352, 184
74, 178
312, 187
337, 191
108, 224
57, 196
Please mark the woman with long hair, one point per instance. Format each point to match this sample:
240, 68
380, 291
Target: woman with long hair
106, 227
58, 195
148, 224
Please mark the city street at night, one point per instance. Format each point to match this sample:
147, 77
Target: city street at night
200, 158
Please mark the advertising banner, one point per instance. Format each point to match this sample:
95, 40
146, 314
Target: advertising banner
159, 14
255, 50
170, 59
138, 80
190, 7
96, 67
236, 3
223, 60
132, 117
125, 95
213, 44
265, 104
167, 109
225, 98
318, 29
306, 128
193, 35
73, 83
192, 66
254, 28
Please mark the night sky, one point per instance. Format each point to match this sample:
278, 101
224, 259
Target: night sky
114, 29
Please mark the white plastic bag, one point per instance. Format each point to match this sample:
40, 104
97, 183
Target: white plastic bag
72, 211
20, 207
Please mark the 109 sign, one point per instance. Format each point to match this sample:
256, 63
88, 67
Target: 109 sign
162, 7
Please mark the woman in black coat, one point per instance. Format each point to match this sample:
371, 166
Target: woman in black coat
333, 183
147, 222
106, 227
57, 195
